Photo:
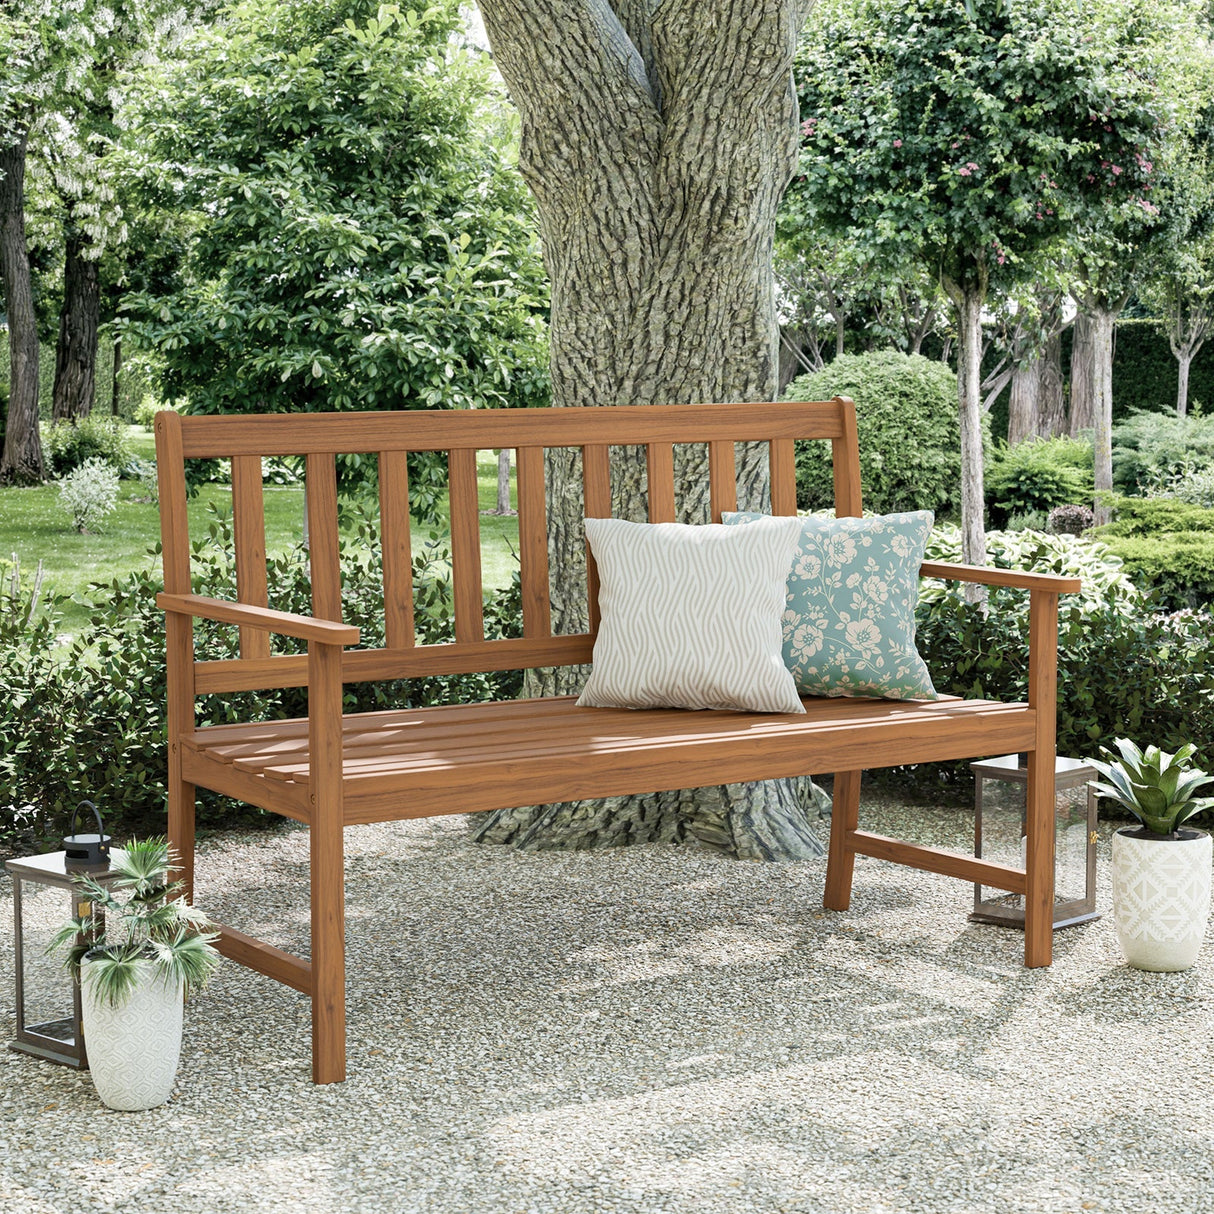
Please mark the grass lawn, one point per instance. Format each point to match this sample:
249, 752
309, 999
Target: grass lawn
35, 527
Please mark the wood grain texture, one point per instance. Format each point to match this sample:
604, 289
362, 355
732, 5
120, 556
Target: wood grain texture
484, 429
840, 858
723, 479
782, 462
396, 548
303, 627
936, 860
845, 453
265, 958
659, 482
1039, 828
324, 550
533, 543
179, 639
249, 534
466, 548
596, 474
327, 852
1001, 577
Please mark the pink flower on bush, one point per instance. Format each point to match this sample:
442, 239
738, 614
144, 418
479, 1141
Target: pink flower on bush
967, 169
897, 143
1116, 170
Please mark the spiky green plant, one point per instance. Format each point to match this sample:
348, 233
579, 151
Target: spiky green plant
147, 920
1156, 787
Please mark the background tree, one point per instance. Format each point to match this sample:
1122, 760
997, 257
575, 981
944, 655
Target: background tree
657, 140
970, 137
351, 236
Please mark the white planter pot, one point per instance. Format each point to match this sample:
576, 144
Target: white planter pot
133, 1049
1161, 897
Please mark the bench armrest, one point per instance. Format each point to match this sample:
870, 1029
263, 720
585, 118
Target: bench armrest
302, 627
1002, 577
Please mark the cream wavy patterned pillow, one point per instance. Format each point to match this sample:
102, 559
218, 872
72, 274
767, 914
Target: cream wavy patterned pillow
690, 616
849, 625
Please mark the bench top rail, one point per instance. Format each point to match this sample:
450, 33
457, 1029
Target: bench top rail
390, 438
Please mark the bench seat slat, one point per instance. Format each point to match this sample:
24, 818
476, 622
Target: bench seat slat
483, 751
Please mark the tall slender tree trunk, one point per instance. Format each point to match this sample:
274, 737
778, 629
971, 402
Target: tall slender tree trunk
22, 460
1102, 322
1083, 376
116, 378
1051, 400
76, 352
1184, 360
657, 145
968, 296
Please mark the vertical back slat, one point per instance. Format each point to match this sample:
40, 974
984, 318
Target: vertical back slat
249, 528
397, 552
846, 457
466, 547
722, 479
533, 542
659, 465
323, 552
782, 467
596, 480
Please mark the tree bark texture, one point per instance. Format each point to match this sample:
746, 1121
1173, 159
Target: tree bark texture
22, 459
657, 140
1083, 376
1184, 360
1102, 322
76, 352
116, 377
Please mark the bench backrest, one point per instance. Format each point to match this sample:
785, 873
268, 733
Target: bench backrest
319, 438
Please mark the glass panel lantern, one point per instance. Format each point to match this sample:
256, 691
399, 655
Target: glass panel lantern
48, 998
1000, 816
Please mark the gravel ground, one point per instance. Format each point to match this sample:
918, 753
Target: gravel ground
652, 1029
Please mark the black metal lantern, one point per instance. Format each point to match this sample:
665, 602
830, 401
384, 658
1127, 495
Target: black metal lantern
48, 997
1000, 817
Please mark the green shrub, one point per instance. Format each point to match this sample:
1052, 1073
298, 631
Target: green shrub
1037, 475
906, 412
89, 721
1123, 671
67, 445
89, 493
1167, 546
1152, 449
1105, 583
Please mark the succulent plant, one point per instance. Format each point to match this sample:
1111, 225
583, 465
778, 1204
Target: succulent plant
1156, 787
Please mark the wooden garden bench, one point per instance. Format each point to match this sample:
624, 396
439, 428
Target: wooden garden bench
330, 771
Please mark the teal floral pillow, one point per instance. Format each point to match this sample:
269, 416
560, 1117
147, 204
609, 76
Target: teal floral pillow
849, 621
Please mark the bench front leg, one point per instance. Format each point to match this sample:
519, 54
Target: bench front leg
327, 863
1039, 831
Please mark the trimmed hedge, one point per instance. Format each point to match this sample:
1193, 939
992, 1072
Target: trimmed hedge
1034, 477
1167, 546
906, 414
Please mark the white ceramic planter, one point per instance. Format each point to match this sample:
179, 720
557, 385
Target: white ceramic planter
133, 1049
1161, 897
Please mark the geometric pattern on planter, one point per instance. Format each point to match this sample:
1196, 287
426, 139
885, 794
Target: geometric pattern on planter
1161, 899
133, 1049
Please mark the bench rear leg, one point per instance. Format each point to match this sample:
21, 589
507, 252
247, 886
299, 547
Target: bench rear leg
181, 827
1039, 868
840, 859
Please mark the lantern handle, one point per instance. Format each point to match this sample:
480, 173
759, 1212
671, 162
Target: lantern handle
96, 814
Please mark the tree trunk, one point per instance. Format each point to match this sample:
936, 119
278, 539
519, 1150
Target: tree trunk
968, 296
1024, 402
503, 482
116, 377
1083, 376
1051, 400
1101, 323
22, 460
657, 144
1184, 359
76, 353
